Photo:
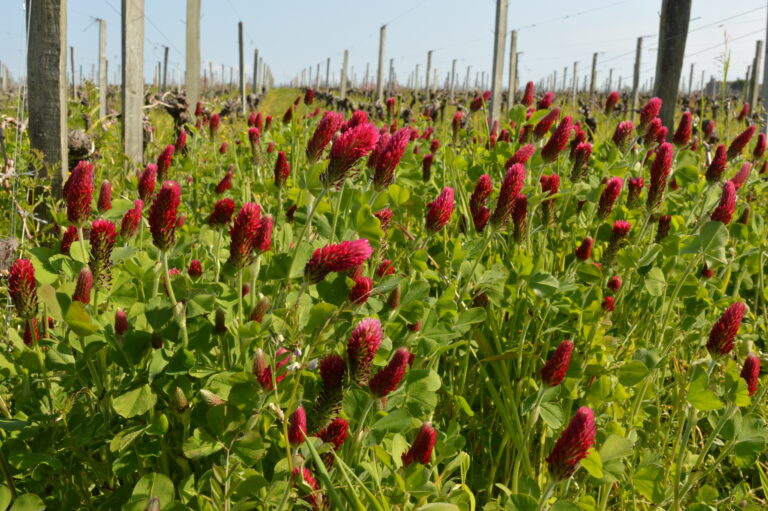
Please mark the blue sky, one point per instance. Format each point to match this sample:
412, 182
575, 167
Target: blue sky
292, 35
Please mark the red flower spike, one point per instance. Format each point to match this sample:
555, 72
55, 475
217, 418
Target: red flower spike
162, 215
336, 258
333, 369
309, 97
545, 101
282, 169
718, 165
243, 235
581, 154
225, 183
549, 186
725, 209
573, 445
362, 346
104, 203
78, 193
164, 163
527, 98
608, 196
521, 156
553, 372
388, 378
181, 142
147, 182
31, 333
358, 117
480, 213
335, 433
195, 269
610, 102
222, 213
83, 286
649, 112
69, 237
652, 132
439, 210
663, 229
384, 216
102, 241
584, 250
263, 372
346, 150
545, 124
426, 166
121, 322
263, 237
614, 284
388, 158
683, 133
558, 141
660, 169
519, 213
361, 291
623, 134
213, 124
130, 222
618, 233
751, 373
744, 112
23, 288
741, 141
302, 474
510, 189
635, 185
421, 449
739, 179
298, 426
386, 267
760, 146
724, 330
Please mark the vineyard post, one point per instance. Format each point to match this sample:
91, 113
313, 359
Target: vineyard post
690, 80
575, 81
255, 85
610, 79
499, 44
452, 86
165, 67
192, 71
102, 68
429, 75
317, 77
343, 85
47, 88
673, 33
636, 75
565, 78
328, 73
765, 85
593, 79
241, 62
512, 73
754, 86
72, 70
133, 80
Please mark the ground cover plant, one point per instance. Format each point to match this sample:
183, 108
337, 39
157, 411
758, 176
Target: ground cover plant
392, 309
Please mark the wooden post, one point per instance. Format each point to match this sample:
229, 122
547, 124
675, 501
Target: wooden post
102, 68
47, 87
754, 89
635, 76
565, 78
391, 80
512, 73
765, 85
499, 44
673, 33
241, 62
255, 84
328, 73
575, 81
452, 86
466, 78
380, 72
192, 71
165, 68
72, 70
133, 80
690, 80
343, 86
429, 74
317, 77
610, 80
416, 78
593, 79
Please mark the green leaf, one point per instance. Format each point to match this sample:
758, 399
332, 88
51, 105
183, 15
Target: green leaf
615, 447
439, 506
79, 320
48, 296
713, 238
521, 502
149, 486
77, 254
632, 373
5, 497
543, 284
398, 194
699, 396
655, 282
421, 388
200, 445
398, 420
593, 464
28, 502
589, 273
649, 482
135, 402
367, 225
552, 414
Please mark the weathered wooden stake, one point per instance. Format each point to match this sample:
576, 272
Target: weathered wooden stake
102, 68
133, 80
343, 86
452, 86
636, 76
499, 44
255, 84
575, 81
690, 80
72, 70
673, 33
512, 73
47, 88
241, 62
755, 85
593, 80
765, 85
328, 73
192, 67
428, 77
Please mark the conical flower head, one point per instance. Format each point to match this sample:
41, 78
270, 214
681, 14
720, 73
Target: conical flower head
164, 162
635, 185
653, 131
181, 142
545, 124
83, 286
333, 369
724, 330
521, 156
336, 258
103, 236
121, 322
78, 193
751, 373
222, 213
510, 189
725, 209
608, 196
347, 150
362, 347
665, 221
243, 235
581, 154
313, 497
741, 177
162, 215
740, 142
131, 220
683, 133
623, 134
527, 98
69, 237
23, 288
335, 433
573, 445
388, 159
388, 378
357, 118
558, 141
554, 370
361, 291
649, 112
760, 146
297, 426
225, 183
584, 250
611, 101
147, 182
519, 214
421, 448
439, 210
545, 101
263, 239
105, 197
282, 169
660, 169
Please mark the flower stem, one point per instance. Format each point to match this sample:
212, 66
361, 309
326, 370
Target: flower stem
179, 311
